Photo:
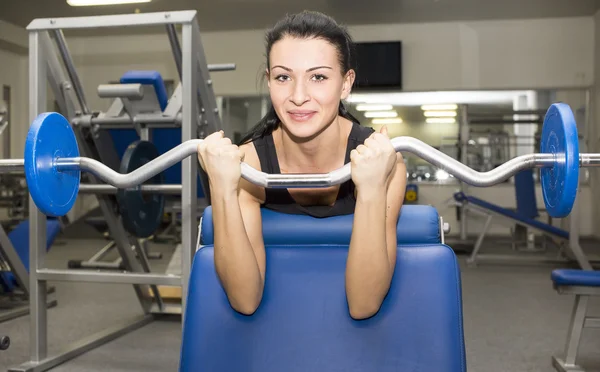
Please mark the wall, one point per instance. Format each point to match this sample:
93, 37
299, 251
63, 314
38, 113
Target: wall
459, 55
515, 54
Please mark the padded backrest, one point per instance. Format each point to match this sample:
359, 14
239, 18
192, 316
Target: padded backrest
303, 324
152, 78
417, 224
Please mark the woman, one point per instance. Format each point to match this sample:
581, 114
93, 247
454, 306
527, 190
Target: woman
307, 130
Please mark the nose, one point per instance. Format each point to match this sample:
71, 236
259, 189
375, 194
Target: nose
300, 94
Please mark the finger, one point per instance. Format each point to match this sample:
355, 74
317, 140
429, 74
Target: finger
354, 155
370, 142
361, 148
384, 130
215, 135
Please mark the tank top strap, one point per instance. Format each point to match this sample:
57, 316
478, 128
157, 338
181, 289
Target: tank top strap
267, 155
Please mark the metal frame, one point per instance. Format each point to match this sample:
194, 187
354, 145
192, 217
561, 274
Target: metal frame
570, 245
18, 300
577, 323
43, 67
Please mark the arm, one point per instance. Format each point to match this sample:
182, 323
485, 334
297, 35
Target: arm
239, 247
373, 245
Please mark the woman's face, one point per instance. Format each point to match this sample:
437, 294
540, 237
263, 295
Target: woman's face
306, 84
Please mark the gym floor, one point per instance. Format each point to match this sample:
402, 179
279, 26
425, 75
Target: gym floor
513, 319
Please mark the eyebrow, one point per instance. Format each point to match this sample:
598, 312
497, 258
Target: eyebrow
309, 70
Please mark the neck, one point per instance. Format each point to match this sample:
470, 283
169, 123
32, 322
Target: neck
320, 154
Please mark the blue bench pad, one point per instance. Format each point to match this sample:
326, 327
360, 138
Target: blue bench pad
417, 224
19, 237
575, 277
303, 322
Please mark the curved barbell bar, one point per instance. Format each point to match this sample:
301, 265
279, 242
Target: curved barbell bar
408, 144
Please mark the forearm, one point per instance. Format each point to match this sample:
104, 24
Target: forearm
235, 261
368, 270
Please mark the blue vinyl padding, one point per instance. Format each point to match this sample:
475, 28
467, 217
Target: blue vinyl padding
525, 194
148, 78
461, 197
19, 238
163, 138
303, 324
417, 224
575, 277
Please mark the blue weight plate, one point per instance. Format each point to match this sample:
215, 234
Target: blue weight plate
50, 137
141, 213
560, 182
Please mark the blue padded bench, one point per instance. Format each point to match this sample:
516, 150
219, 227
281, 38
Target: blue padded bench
303, 324
164, 138
493, 210
582, 284
19, 237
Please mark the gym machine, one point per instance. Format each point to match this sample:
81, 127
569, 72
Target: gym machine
521, 222
49, 57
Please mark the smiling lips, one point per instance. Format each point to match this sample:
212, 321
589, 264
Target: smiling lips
301, 115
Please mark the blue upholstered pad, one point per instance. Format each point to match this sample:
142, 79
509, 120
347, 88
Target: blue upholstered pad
459, 196
418, 224
303, 324
19, 237
148, 78
165, 139
574, 277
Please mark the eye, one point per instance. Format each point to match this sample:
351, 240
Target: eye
281, 78
319, 77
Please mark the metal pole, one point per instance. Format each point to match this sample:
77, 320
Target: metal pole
149, 189
189, 168
70, 67
38, 343
175, 46
464, 147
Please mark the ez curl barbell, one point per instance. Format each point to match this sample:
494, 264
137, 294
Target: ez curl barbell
52, 165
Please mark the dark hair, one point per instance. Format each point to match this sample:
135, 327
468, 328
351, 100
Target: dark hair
307, 24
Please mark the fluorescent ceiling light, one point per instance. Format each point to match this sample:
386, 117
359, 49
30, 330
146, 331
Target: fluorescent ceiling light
381, 114
387, 121
439, 97
440, 120
104, 2
439, 107
439, 113
374, 107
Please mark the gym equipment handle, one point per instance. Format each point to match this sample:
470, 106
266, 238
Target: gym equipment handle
338, 176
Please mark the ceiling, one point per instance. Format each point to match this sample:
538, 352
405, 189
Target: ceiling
216, 15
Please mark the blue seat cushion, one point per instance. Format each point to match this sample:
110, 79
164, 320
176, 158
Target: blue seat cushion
303, 323
575, 277
417, 224
148, 78
461, 197
19, 237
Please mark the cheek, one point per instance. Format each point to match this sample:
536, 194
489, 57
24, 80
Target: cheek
327, 95
278, 94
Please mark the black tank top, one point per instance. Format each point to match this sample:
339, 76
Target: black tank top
281, 200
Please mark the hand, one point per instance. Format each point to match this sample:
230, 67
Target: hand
221, 160
373, 161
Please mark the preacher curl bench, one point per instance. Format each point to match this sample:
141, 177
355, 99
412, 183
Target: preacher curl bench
303, 323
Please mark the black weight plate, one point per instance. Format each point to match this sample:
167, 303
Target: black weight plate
141, 213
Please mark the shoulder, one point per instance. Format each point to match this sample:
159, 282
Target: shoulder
360, 133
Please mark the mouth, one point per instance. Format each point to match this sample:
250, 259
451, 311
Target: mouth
301, 115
